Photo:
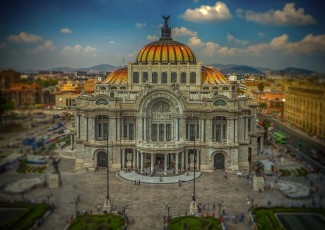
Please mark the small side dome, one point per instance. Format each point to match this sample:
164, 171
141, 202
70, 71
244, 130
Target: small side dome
212, 76
119, 76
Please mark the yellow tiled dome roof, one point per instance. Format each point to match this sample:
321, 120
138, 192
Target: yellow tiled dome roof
166, 51
119, 76
213, 76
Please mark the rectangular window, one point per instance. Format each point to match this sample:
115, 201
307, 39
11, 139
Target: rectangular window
99, 129
224, 131
187, 132
168, 132
249, 124
192, 131
125, 131
161, 132
154, 132
163, 77
183, 77
197, 131
105, 128
218, 132
154, 77
131, 131
144, 77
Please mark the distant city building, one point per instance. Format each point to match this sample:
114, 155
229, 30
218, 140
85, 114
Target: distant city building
160, 110
65, 100
7, 78
305, 105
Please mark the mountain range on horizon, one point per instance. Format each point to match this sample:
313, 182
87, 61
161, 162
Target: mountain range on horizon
226, 69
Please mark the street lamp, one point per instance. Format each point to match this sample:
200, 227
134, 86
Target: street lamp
76, 202
166, 207
194, 195
107, 187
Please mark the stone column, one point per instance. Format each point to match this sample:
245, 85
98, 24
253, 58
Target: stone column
182, 162
177, 129
176, 163
133, 159
71, 140
152, 161
86, 128
198, 158
118, 129
230, 130
186, 159
138, 156
165, 164
201, 126
141, 161
208, 131
123, 158
182, 129
145, 129
236, 130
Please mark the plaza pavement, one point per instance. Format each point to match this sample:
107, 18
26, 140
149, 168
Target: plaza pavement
147, 200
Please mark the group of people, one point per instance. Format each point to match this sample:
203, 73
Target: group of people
137, 182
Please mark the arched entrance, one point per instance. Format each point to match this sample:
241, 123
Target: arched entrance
219, 161
102, 159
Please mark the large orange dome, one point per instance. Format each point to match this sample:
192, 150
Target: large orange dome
119, 76
212, 76
166, 50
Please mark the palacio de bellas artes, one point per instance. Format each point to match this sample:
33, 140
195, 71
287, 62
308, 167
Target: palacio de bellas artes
161, 112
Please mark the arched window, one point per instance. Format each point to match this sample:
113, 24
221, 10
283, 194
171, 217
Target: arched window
135, 77
219, 102
173, 77
164, 77
183, 77
205, 88
102, 88
113, 88
101, 101
225, 88
122, 87
193, 78
154, 77
144, 77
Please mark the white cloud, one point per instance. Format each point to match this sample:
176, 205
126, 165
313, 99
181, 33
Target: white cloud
308, 45
195, 41
183, 31
218, 12
47, 45
152, 37
261, 34
66, 31
140, 25
111, 42
287, 16
231, 38
24, 37
79, 50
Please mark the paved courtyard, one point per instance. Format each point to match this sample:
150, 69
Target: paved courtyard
147, 200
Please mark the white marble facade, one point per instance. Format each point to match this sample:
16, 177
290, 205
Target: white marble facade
154, 114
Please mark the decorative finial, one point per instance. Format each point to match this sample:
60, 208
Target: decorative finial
166, 30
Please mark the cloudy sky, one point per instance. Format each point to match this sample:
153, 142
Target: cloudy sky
82, 33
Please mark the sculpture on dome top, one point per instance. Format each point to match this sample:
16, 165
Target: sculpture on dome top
166, 20
166, 30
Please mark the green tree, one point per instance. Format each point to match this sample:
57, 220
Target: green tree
260, 87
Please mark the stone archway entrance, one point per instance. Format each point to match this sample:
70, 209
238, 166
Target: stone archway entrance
219, 161
102, 159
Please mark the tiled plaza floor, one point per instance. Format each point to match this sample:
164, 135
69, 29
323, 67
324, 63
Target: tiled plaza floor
147, 200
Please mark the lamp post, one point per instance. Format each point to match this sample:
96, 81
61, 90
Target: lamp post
107, 202
194, 195
76, 202
168, 218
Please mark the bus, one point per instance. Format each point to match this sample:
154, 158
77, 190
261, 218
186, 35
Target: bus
280, 138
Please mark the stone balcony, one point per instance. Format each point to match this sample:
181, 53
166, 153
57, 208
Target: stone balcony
160, 147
